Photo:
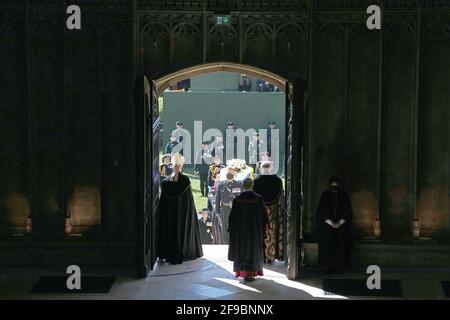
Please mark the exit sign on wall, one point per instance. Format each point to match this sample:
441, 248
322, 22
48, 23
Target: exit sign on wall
222, 19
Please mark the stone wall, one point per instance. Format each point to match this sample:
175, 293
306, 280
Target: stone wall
377, 110
67, 122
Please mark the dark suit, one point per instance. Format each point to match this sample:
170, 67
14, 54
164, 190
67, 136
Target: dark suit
203, 169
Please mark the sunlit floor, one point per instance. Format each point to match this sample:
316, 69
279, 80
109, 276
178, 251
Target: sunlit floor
211, 277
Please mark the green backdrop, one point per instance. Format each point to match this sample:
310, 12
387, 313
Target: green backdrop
215, 109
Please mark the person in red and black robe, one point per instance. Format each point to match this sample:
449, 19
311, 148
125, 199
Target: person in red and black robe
270, 187
246, 226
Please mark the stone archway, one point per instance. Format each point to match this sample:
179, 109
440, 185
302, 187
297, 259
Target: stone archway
172, 78
294, 89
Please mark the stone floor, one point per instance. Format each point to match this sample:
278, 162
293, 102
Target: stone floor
212, 278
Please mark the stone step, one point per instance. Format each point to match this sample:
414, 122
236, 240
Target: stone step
415, 255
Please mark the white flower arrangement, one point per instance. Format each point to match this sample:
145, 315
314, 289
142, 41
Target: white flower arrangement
242, 170
237, 164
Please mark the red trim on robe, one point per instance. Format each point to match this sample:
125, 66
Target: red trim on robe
248, 274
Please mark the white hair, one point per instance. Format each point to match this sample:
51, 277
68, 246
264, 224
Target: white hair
266, 167
177, 159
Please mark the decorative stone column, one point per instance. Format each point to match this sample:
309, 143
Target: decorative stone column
67, 226
415, 229
377, 227
415, 225
29, 226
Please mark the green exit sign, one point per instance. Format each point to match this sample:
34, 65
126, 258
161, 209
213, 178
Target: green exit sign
223, 19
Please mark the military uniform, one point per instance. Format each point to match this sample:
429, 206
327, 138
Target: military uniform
170, 146
225, 194
179, 133
206, 230
201, 166
230, 136
217, 150
165, 170
214, 170
253, 153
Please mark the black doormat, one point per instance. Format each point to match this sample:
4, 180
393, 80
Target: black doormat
358, 287
446, 288
88, 285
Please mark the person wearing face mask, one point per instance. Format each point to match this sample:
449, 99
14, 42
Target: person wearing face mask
178, 231
226, 192
334, 228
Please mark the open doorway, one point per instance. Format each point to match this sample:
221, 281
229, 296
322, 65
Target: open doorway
205, 99
208, 105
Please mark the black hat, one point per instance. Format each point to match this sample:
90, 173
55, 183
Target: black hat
179, 123
229, 123
205, 142
205, 209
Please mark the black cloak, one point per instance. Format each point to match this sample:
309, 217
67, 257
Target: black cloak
178, 231
268, 186
247, 225
335, 245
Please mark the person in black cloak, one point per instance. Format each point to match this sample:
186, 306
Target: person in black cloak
334, 231
178, 230
247, 225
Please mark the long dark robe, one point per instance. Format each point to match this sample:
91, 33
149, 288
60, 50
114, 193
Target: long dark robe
178, 231
335, 245
270, 187
247, 225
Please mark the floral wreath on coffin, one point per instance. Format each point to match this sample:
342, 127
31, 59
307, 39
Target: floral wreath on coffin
236, 164
240, 166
